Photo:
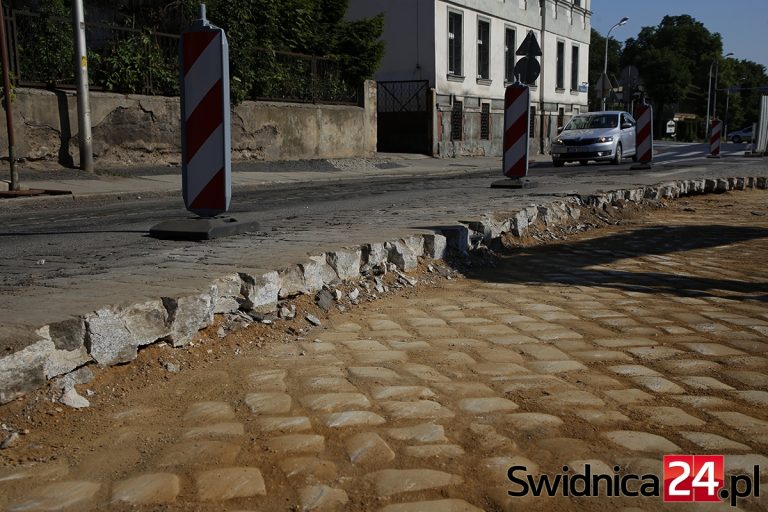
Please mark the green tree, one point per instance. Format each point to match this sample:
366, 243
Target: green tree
674, 60
256, 29
45, 48
741, 84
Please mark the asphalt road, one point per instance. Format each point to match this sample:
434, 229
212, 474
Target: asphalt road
50, 249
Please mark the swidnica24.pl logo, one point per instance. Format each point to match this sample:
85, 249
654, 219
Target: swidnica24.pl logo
686, 478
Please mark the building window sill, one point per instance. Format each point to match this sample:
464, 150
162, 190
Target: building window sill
484, 81
575, 92
559, 90
455, 78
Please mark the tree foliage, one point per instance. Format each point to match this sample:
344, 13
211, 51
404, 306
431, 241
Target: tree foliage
256, 29
45, 45
674, 60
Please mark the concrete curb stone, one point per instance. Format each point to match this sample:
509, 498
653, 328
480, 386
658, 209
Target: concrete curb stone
113, 334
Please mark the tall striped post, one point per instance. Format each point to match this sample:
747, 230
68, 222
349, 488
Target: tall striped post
644, 136
205, 119
517, 101
714, 138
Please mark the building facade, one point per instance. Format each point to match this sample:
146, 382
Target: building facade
465, 52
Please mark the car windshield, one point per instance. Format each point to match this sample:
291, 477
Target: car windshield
596, 121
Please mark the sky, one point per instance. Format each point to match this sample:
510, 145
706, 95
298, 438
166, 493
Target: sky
742, 24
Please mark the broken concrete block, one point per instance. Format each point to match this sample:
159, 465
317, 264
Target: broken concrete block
23, 371
260, 291
416, 244
374, 254
68, 341
435, 246
227, 293
291, 282
346, 263
189, 314
401, 255
115, 333
317, 273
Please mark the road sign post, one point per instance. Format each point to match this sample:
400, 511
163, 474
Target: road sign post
643, 137
205, 136
517, 101
714, 138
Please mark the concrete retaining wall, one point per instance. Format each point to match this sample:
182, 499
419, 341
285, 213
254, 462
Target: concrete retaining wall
113, 335
130, 129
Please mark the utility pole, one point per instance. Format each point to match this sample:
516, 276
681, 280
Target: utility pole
7, 103
81, 74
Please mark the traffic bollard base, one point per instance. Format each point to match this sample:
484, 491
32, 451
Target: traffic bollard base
513, 183
202, 229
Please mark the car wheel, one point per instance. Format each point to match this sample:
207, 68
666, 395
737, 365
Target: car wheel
617, 157
736, 139
583, 162
558, 163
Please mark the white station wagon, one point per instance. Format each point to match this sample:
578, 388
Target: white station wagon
597, 136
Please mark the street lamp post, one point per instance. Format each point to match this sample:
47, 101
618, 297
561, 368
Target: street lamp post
714, 102
621, 22
709, 90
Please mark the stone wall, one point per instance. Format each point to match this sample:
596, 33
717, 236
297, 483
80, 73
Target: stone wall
135, 129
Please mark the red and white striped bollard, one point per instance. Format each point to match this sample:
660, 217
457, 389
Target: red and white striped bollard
715, 135
517, 101
205, 119
643, 136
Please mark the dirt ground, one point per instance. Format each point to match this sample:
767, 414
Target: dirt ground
631, 260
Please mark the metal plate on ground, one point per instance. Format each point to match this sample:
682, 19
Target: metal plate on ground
202, 229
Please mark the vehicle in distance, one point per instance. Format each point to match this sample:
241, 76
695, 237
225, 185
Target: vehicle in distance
743, 135
598, 136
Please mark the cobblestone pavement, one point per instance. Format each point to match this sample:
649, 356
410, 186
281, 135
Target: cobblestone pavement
613, 348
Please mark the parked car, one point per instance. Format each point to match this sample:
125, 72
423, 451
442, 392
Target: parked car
598, 136
743, 135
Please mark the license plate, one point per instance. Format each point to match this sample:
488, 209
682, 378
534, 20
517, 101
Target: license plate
572, 150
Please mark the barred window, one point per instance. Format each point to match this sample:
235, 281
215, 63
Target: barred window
485, 122
532, 125
457, 121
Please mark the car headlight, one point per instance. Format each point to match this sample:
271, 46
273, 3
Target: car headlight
604, 139
559, 142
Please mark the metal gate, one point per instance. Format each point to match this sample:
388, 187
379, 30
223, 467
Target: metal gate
404, 117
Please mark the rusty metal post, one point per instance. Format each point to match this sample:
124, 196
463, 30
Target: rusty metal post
7, 102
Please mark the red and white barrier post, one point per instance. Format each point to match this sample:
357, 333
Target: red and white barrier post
517, 101
205, 119
715, 134
644, 136
205, 138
